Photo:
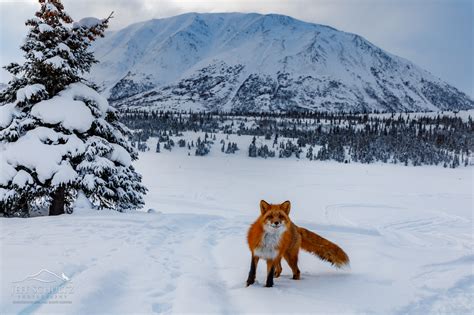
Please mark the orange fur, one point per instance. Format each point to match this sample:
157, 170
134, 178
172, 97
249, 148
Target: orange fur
273, 236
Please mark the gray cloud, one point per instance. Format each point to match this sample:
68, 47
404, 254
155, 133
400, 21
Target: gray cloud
435, 34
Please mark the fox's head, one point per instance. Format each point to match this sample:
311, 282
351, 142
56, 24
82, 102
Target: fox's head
275, 216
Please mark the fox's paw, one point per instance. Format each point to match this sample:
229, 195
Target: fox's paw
250, 282
269, 283
296, 277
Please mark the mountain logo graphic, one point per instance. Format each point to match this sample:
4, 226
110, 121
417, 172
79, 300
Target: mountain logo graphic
45, 276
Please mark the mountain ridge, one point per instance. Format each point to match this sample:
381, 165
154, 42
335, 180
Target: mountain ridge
256, 62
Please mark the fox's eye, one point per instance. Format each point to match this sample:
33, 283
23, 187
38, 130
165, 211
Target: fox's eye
281, 217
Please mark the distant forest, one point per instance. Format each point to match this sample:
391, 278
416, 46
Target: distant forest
407, 139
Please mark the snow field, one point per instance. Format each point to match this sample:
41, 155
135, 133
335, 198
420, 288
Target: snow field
407, 231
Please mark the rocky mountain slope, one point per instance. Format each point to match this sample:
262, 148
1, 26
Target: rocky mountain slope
254, 62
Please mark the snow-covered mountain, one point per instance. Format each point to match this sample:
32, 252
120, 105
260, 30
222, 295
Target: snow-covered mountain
254, 62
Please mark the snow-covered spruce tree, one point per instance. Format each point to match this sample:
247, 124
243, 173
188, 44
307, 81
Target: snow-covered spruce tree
58, 136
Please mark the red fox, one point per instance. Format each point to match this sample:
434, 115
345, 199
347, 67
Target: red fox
273, 237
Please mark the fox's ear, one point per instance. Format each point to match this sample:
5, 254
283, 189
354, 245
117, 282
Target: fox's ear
286, 206
264, 206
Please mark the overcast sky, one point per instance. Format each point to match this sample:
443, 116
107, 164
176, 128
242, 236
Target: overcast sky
435, 34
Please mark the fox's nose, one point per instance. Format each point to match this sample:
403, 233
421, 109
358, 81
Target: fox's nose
277, 223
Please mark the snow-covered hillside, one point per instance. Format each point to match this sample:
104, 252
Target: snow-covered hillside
407, 230
254, 62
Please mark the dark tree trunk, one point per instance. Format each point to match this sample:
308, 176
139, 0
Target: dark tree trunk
57, 205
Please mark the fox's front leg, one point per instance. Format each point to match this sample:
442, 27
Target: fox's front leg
270, 273
253, 270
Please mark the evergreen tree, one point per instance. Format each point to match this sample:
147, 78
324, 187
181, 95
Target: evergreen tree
231, 148
253, 148
72, 136
323, 154
202, 147
309, 153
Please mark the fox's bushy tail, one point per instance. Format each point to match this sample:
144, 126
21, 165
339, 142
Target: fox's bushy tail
324, 249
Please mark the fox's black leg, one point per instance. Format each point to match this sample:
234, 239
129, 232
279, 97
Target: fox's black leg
270, 274
253, 270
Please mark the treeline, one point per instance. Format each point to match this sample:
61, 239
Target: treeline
398, 138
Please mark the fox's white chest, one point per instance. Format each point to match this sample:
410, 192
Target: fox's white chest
268, 248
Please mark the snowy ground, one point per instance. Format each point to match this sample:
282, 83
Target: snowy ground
407, 230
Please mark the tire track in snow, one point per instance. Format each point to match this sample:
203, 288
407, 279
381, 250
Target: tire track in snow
418, 229
460, 295
199, 280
